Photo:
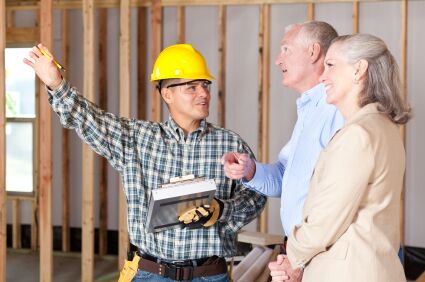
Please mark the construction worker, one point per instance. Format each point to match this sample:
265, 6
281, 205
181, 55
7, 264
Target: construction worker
147, 154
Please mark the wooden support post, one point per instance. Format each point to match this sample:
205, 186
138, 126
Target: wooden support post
65, 142
263, 97
45, 149
311, 12
2, 143
403, 74
156, 18
356, 16
125, 66
103, 103
16, 225
222, 66
181, 24
87, 257
142, 50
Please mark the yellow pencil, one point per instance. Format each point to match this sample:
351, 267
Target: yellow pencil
54, 61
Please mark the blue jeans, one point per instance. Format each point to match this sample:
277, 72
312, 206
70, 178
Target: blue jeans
151, 277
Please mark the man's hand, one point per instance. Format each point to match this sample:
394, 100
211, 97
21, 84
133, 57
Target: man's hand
281, 270
203, 216
237, 166
44, 67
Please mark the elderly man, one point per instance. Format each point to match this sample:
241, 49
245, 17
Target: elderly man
301, 60
147, 154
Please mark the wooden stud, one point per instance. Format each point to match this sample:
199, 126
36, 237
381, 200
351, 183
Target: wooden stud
87, 256
142, 51
311, 11
181, 24
125, 92
103, 103
263, 96
356, 16
45, 153
34, 223
10, 18
65, 143
222, 66
156, 17
3, 207
16, 225
403, 75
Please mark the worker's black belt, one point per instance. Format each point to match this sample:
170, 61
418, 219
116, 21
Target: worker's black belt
185, 269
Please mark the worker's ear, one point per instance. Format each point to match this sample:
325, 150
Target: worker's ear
167, 95
315, 51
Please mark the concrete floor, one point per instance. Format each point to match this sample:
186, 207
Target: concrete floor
23, 266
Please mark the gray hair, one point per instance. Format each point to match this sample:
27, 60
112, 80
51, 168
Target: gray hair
315, 31
382, 83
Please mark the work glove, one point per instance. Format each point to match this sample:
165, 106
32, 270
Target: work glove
202, 216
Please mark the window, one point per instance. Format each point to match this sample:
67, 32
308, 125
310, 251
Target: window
20, 122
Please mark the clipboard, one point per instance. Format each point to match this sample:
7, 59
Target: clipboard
172, 199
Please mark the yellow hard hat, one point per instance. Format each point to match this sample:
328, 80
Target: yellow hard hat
180, 61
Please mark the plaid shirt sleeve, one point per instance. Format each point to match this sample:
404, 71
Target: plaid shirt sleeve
104, 132
246, 204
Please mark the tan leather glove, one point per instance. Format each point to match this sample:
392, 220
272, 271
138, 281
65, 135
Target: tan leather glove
203, 216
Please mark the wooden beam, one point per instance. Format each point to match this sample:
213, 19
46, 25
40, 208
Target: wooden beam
16, 224
125, 111
142, 51
311, 11
156, 18
10, 21
76, 4
45, 153
181, 24
356, 16
87, 257
403, 75
3, 207
222, 66
103, 103
263, 98
65, 142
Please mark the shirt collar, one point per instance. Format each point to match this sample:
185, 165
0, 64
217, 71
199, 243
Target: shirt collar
371, 108
314, 95
178, 133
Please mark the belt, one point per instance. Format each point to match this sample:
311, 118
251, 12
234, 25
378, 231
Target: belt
183, 270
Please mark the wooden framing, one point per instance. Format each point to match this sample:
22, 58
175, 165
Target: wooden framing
156, 18
125, 66
16, 225
103, 103
264, 98
87, 249
22, 35
311, 11
403, 75
45, 160
142, 51
76, 4
222, 66
181, 24
3, 207
65, 143
356, 16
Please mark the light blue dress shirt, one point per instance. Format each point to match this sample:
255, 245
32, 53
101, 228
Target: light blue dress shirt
289, 177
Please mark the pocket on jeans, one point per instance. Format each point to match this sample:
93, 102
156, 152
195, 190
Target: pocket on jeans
143, 275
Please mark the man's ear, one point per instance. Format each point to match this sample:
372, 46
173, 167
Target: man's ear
167, 95
361, 69
315, 51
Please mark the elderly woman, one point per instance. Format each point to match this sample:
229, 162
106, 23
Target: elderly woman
350, 229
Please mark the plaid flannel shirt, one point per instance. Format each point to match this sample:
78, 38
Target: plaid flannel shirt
147, 154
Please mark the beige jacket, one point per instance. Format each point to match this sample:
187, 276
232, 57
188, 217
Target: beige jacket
351, 218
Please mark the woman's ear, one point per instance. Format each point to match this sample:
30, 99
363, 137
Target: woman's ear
361, 69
